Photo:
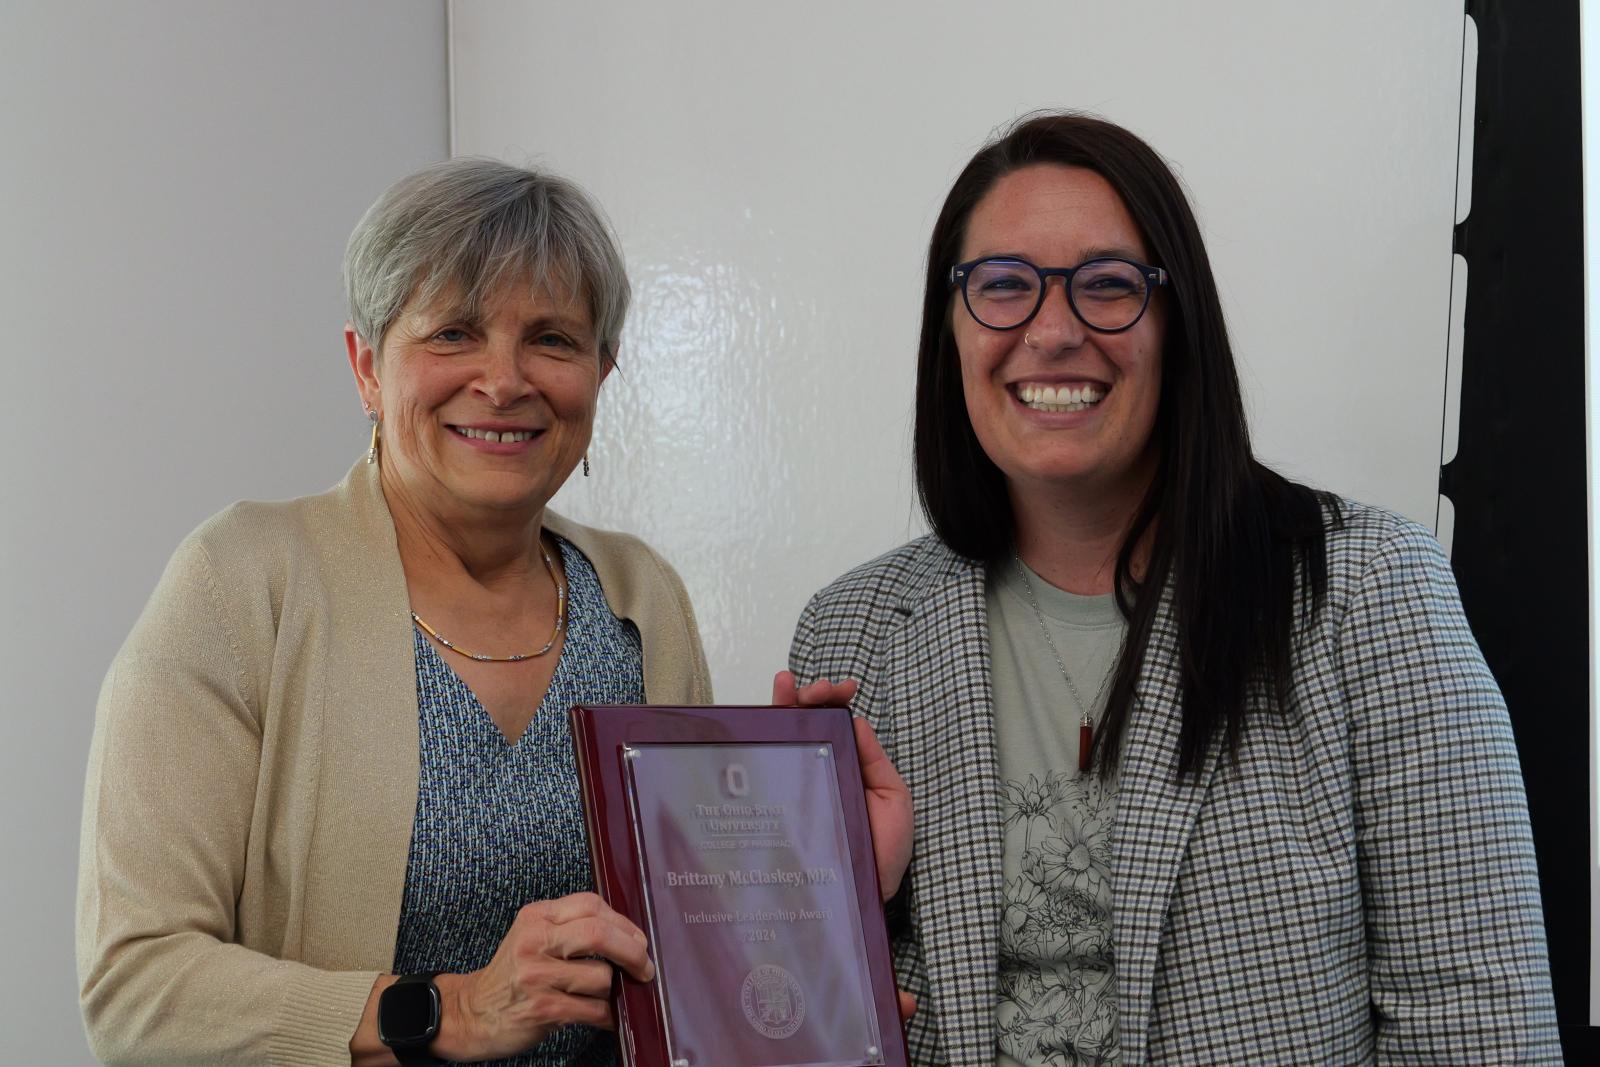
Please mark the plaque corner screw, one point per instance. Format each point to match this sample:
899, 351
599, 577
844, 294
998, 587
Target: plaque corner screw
680, 1063
822, 753
872, 1052
629, 752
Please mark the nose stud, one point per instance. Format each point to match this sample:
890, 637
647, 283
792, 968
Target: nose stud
1027, 339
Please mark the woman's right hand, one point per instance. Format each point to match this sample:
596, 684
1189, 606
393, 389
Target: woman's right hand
552, 968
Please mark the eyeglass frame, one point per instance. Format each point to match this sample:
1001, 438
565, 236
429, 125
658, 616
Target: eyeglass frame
1154, 276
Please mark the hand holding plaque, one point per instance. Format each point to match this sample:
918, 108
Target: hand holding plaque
552, 968
738, 840
888, 799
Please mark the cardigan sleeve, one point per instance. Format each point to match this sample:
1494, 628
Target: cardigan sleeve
1458, 967
680, 634
168, 806
700, 670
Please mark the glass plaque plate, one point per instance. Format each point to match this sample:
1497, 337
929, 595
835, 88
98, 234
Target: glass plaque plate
737, 839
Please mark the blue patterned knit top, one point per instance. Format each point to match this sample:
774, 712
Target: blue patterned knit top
501, 825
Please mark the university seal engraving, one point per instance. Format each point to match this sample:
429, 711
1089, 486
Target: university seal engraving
773, 1002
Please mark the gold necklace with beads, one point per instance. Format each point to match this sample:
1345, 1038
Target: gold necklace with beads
555, 635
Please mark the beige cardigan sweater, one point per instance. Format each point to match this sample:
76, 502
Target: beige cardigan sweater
253, 779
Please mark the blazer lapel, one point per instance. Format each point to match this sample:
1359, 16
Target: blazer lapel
1155, 816
937, 698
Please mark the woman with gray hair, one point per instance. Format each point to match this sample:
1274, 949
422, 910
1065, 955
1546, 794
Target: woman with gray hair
331, 768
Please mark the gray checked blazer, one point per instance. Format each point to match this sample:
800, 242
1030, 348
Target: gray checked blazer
1359, 888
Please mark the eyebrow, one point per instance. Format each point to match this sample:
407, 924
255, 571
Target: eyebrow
465, 315
433, 316
1084, 256
1113, 252
573, 324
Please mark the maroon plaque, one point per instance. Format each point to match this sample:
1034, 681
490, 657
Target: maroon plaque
737, 840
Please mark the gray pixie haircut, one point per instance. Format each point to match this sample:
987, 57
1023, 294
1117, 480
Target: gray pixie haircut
471, 225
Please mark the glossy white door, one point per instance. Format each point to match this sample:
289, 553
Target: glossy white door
774, 172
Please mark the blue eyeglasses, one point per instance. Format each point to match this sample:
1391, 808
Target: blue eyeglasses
1108, 294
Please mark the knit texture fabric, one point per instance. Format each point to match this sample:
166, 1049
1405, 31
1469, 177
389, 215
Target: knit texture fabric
500, 825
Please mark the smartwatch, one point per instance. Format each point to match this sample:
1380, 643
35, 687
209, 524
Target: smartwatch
408, 1019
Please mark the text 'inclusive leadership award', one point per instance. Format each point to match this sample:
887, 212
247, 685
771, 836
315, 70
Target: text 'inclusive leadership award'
737, 840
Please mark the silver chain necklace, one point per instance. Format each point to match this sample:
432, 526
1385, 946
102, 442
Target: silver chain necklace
1086, 723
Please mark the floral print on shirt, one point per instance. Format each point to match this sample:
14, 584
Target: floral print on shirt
1057, 979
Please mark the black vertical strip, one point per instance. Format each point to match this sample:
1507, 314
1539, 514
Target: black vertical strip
1519, 479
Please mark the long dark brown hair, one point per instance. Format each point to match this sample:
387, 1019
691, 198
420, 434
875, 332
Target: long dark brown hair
1231, 536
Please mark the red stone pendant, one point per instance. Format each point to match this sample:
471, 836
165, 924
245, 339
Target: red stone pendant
1085, 744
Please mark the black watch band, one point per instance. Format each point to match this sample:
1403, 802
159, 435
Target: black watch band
409, 1014
415, 1057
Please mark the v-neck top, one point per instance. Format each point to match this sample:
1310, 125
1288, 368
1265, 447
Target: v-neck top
500, 825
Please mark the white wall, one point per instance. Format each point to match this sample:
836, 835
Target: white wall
177, 181
775, 169
1590, 45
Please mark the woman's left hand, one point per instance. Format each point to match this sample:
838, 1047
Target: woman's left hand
888, 799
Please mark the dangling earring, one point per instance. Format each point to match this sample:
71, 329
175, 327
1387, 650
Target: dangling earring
372, 449
586, 464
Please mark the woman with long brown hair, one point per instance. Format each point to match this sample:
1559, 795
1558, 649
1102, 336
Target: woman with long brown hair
1207, 764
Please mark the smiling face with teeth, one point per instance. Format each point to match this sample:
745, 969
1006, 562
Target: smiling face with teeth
485, 411
1055, 404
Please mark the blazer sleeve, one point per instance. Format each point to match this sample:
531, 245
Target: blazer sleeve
1458, 966
168, 806
801, 646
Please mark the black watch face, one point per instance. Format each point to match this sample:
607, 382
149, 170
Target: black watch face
408, 1012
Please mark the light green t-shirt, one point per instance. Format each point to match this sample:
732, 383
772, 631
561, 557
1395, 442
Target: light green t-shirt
1057, 976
